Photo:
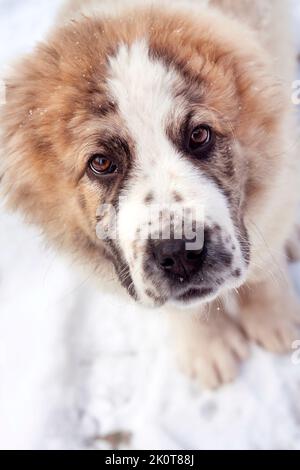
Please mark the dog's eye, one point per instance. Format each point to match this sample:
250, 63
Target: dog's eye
199, 138
101, 165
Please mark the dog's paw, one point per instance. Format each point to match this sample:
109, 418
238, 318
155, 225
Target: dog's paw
271, 330
214, 357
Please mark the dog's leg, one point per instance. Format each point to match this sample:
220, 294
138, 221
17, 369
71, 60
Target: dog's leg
270, 313
210, 346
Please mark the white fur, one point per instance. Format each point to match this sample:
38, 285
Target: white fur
143, 91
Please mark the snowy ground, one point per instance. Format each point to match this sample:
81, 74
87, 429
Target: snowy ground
80, 370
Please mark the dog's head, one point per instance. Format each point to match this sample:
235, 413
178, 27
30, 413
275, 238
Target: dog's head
120, 134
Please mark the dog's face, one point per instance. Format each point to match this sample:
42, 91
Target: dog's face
155, 123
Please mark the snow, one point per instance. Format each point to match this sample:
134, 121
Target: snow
80, 369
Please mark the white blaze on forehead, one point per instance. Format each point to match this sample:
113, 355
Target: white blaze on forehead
142, 88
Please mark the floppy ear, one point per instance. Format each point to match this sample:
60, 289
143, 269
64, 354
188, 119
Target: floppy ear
43, 93
26, 150
33, 122
46, 93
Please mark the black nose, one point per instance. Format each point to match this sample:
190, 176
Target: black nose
173, 257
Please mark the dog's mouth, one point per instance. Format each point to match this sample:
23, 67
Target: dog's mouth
183, 296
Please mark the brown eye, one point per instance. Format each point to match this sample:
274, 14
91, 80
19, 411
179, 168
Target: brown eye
101, 165
200, 137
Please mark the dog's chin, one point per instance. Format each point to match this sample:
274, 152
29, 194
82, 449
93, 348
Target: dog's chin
192, 296
195, 296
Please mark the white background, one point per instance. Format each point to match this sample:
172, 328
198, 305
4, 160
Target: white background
76, 365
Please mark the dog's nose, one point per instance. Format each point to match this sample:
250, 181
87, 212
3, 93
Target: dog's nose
173, 257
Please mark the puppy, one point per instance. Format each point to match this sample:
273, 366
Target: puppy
183, 106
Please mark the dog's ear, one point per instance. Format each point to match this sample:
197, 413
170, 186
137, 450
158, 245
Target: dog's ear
26, 150
47, 93
44, 92
32, 123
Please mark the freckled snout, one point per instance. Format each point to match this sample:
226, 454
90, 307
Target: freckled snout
186, 271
